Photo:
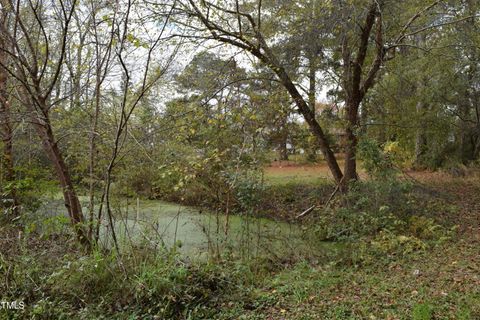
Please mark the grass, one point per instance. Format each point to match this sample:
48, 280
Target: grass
441, 284
304, 174
446, 286
438, 280
295, 171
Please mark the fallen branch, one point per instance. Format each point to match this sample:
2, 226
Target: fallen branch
332, 195
306, 212
309, 210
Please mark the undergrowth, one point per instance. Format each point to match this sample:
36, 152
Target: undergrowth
379, 225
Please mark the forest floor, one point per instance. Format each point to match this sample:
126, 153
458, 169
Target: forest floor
439, 281
442, 282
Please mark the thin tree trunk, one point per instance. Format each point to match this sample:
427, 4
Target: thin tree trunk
7, 138
282, 150
421, 139
101, 69
468, 107
92, 157
382, 130
6, 128
312, 97
283, 141
476, 152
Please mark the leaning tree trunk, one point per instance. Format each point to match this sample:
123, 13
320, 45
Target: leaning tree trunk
70, 197
315, 127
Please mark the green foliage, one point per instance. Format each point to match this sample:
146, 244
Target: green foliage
248, 191
388, 243
381, 220
422, 311
424, 106
102, 286
376, 162
47, 227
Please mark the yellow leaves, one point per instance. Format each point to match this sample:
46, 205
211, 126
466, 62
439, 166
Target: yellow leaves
398, 154
403, 239
392, 147
130, 37
134, 40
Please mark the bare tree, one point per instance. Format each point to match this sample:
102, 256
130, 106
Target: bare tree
39, 35
132, 93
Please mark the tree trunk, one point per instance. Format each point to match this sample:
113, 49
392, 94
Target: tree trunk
312, 97
476, 152
72, 202
315, 128
421, 139
92, 156
356, 88
6, 129
350, 169
7, 138
282, 150
468, 107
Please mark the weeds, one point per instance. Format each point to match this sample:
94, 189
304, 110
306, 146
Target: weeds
377, 245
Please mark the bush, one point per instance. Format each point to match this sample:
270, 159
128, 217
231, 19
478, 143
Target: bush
102, 286
375, 160
379, 219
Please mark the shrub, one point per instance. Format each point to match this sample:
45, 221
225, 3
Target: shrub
379, 219
377, 162
103, 286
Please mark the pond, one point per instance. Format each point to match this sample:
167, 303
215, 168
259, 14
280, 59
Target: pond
195, 232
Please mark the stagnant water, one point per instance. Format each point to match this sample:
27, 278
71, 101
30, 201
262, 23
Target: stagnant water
194, 232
